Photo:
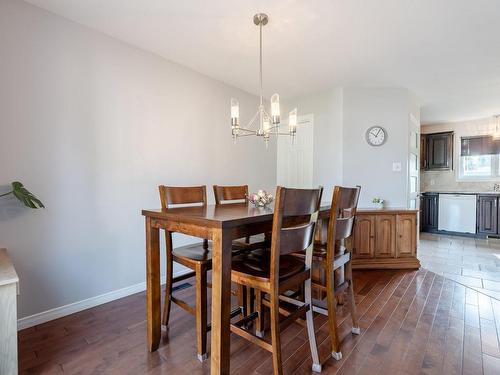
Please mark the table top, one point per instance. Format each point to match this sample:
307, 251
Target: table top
8, 274
226, 215
233, 214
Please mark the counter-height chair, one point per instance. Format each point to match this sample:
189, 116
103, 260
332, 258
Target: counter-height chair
197, 257
275, 272
333, 256
238, 194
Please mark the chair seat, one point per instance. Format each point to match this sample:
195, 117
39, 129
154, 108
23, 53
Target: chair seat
191, 254
256, 242
258, 265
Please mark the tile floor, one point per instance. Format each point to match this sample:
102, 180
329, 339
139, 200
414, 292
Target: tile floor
470, 261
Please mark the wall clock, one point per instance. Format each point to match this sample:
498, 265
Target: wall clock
376, 136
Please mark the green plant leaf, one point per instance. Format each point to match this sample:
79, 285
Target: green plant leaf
25, 196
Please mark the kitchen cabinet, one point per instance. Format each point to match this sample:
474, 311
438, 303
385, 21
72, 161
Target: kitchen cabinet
385, 236
429, 208
364, 240
423, 151
437, 151
406, 241
385, 239
487, 214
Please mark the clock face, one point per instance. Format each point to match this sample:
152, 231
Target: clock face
376, 136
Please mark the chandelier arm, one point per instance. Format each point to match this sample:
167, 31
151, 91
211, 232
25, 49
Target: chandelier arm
251, 122
247, 130
248, 135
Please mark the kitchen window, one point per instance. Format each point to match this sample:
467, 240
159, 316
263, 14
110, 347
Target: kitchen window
479, 158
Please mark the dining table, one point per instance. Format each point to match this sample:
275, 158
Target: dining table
221, 224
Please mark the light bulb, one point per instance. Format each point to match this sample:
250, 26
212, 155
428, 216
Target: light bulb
275, 108
266, 125
292, 121
235, 112
235, 118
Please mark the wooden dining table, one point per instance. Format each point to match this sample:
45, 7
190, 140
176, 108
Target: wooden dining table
221, 224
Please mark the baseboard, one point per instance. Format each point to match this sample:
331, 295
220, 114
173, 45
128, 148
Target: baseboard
88, 303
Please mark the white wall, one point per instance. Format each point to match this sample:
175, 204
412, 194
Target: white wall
341, 153
93, 126
327, 109
368, 166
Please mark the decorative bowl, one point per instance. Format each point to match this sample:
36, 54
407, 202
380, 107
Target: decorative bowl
260, 199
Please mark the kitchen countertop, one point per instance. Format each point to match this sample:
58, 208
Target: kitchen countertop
461, 192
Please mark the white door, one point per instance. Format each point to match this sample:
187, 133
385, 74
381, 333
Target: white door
295, 156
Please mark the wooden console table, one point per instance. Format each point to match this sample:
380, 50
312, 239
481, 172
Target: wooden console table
385, 238
8, 315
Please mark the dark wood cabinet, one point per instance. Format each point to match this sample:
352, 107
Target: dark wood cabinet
487, 214
423, 151
429, 207
437, 151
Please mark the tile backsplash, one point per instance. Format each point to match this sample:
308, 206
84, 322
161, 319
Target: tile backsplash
447, 180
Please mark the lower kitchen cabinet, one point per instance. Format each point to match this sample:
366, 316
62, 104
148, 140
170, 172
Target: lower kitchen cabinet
429, 207
386, 239
487, 214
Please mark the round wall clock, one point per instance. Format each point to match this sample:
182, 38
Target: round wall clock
376, 136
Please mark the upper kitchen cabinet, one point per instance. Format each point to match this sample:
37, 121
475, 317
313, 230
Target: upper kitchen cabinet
437, 151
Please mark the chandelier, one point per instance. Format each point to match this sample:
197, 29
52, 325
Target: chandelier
262, 124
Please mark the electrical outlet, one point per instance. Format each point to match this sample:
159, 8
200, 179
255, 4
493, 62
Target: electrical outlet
396, 166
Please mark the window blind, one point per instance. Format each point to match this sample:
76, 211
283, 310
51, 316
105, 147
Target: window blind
479, 145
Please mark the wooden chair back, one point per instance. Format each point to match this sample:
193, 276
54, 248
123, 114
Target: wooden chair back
342, 216
182, 195
223, 194
171, 196
295, 215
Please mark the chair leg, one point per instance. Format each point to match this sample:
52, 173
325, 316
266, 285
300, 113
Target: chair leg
332, 319
275, 334
259, 324
168, 291
241, 300
249, 300
201, 312
351, 301
316, 365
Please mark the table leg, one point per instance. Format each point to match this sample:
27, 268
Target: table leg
221, 302
153, 288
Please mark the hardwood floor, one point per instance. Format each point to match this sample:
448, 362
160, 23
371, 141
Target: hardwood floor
412, 322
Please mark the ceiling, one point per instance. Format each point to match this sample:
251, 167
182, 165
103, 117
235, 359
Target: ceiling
446, 51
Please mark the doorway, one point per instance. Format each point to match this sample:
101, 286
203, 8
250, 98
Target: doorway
295, 156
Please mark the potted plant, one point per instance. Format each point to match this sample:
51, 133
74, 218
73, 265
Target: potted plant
378, 202
25, 197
